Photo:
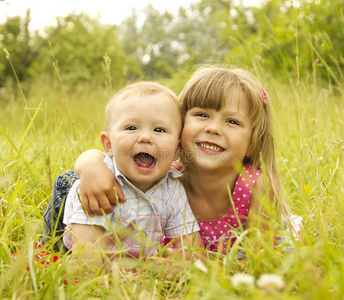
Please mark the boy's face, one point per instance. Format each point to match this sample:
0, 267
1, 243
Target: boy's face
143, 137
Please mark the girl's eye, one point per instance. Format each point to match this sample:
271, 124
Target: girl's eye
159, 129
202, 115
233, 122
131, 128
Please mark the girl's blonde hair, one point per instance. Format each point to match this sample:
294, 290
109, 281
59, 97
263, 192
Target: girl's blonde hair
209, 87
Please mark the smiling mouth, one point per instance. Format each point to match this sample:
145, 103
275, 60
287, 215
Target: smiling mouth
144, 160
210, 146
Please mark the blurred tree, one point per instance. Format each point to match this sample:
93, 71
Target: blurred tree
14, 37
199, 31
322, 35
79, 48
155, 44
22, 45
148, 36
76, 46
162, 43
273, 35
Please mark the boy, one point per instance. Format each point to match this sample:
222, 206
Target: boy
143, 123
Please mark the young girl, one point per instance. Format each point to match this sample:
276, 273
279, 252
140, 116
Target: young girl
226, 138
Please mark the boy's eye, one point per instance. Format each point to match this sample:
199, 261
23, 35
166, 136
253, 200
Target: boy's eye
234, 122
131, 128
159, 129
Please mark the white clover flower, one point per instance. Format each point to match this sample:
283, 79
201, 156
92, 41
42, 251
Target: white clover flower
270, 282
241, 281
200, 266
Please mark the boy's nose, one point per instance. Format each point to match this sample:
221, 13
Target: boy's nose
145, 138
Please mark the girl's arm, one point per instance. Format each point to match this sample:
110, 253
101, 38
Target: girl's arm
98, 187
261, 206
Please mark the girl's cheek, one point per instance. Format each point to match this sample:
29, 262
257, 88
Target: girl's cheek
184, 139
182, 143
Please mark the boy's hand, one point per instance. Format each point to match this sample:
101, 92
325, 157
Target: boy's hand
100, 192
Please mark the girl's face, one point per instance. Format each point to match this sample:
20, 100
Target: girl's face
218, 140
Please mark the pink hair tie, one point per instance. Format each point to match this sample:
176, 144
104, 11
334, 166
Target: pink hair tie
264, 97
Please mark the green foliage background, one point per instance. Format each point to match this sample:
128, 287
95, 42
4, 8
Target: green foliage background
54, 85
155, 45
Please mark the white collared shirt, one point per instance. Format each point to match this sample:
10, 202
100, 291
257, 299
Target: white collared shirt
162, 211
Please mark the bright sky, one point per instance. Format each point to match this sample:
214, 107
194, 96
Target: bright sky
43, 12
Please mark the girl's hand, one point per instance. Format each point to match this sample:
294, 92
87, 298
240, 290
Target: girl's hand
100, 191
98, 187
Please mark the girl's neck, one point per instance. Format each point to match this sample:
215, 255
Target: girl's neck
208, 193
212, 181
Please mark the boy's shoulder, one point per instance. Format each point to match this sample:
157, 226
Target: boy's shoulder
173, 178
172, 189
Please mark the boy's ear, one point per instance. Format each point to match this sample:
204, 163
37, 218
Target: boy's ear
106, 142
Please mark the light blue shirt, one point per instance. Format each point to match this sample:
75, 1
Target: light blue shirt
162, 210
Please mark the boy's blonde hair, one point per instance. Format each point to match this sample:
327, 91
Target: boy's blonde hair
140, 89
209, 87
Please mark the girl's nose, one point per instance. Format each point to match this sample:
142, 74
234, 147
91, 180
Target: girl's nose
145, 138
213, 128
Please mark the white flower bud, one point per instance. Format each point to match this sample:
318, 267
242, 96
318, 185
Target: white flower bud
270, 282
241, 281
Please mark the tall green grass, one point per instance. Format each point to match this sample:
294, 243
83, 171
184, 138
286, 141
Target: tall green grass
45, 128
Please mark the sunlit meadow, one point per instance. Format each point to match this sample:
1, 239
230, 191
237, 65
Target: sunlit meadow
47, 124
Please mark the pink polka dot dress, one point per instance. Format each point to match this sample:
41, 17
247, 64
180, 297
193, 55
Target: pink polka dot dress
221, 230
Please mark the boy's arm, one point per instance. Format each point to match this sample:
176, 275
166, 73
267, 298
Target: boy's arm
86, 240
98, 187
193, 239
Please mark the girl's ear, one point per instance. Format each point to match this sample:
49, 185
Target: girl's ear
106, 142
248, 152
177, 152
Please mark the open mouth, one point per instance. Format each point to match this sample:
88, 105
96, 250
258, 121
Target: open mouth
144, 160
210, 146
